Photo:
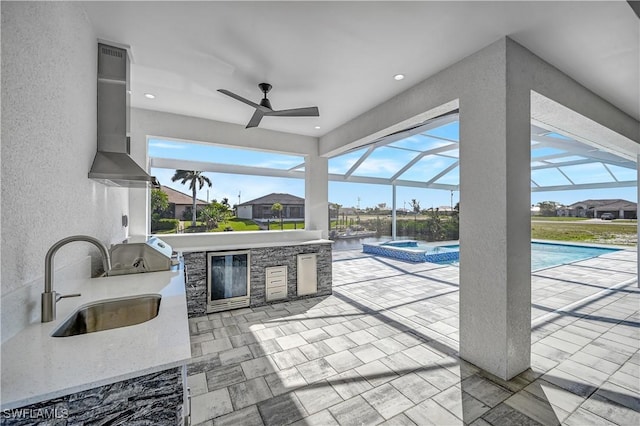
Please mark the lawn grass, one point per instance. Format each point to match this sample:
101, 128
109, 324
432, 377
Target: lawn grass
238, 225
605, 233
287, 225
558, 218
164, 231
187, 223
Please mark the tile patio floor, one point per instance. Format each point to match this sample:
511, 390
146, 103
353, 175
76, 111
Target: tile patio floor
383, 350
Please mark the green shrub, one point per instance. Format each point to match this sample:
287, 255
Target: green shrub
164, 225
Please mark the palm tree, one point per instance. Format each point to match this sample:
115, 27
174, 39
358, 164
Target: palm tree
277, 209
337, 207
415, 205
195, 178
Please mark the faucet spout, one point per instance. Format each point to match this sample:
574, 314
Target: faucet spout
49, 297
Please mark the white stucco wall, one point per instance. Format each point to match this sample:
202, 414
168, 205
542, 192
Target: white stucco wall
245, 212
49, 55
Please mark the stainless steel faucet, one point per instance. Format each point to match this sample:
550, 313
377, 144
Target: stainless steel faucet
50, 297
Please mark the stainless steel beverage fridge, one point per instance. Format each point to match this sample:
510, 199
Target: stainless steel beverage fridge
228, 275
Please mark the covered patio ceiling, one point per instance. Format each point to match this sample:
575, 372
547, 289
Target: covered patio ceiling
427, 156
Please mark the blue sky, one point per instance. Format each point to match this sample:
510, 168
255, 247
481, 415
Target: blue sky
384, 162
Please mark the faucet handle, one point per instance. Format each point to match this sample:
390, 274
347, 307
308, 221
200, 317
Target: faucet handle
49, 300
64, 296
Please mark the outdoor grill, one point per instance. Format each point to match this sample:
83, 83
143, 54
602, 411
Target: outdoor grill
134, 258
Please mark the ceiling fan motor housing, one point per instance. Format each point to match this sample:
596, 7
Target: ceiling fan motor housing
265, 103
265, 87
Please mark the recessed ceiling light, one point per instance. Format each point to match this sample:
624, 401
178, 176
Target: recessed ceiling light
129, 91
317, 127
149, 96
398, 77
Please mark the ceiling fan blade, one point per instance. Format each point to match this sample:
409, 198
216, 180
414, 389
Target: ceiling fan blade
243, 100
255, 119
296, 112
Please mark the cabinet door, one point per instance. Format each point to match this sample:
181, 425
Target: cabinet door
307, 274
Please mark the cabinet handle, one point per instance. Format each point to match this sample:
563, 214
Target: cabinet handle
187, 419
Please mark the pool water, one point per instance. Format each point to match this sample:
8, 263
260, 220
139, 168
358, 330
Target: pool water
546, 255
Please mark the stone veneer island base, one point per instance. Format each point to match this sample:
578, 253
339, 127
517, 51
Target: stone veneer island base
155, 398
260, 258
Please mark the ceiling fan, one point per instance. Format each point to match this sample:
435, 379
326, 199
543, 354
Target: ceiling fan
265, 109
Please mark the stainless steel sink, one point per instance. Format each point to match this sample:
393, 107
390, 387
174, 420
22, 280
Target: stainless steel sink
111, 313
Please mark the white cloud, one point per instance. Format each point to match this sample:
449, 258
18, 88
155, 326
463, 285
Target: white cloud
166, 145
279, 164
379, 167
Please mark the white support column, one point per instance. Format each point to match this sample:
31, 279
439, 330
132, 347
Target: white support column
638, 220
393, 213
495, 228
316, 194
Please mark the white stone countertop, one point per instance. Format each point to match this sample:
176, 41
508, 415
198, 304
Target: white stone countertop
218, 247
241, 240
37, 367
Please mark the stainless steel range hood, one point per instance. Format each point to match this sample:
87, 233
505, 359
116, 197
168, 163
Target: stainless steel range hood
113, 165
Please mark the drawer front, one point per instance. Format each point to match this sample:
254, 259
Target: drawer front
276, 293
275, 271
277, 282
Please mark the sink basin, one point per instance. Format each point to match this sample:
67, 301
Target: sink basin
110, 313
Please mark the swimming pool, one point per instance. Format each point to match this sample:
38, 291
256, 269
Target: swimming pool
412, 251
543, 255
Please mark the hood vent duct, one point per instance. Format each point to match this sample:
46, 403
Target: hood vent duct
113, 165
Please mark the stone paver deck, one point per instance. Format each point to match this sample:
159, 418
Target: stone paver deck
383, 350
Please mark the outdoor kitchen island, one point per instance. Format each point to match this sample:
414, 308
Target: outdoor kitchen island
225, 271
126, 375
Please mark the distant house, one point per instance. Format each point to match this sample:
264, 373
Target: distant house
621, 209
447, 210
260, 208
348, 211
342, 211
180, 202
